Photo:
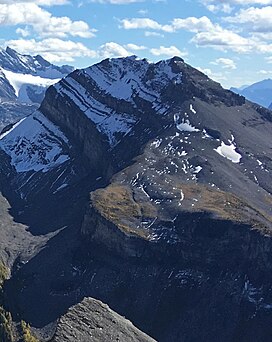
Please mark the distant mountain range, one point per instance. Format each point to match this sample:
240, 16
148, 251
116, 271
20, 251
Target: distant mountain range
260, 92
23, 82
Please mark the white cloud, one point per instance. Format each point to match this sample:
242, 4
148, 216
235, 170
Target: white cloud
167, 51
112, 49
42, 21
225, 63
256, 19
143, 12
24, 32
265, 72
237, 2
135, 47
226, 8
269, 59
223, 39
144, 23
193, 24
207, 34
38, 2
52, 49
153, 34
58, 50
218, 77
116, 2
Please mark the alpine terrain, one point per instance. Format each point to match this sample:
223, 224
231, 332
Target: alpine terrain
139, 190
23, 82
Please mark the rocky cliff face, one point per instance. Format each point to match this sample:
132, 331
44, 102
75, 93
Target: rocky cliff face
100, 324
153, 184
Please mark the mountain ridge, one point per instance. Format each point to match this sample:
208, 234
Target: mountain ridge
153, 215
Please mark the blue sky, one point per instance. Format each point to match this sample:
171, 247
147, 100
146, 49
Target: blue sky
230, 40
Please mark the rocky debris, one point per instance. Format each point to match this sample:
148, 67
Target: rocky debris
92, 320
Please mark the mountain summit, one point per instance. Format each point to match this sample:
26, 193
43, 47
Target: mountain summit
146, 186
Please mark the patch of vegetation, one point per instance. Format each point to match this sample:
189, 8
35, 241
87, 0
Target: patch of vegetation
226, 205
6, 334
27, 335
117, 204
4, 272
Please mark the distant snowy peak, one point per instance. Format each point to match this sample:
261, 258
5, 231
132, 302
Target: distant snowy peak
27, 88
26, 78
34, 65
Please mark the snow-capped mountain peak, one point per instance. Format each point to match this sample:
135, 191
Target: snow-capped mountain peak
26, 78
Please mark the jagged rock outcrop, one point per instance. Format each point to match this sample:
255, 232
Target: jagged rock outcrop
156, 183
91, 320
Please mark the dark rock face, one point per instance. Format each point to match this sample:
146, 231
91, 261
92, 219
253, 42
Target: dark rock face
148, 187
100, 324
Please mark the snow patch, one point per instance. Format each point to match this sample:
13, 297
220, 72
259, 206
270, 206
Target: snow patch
228, 151
185, 126
192, 109
197, 169
34, 144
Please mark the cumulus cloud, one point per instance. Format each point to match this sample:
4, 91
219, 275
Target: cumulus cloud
38, 2
112, 49
135, 47
225, 63
193, 24
256, 19
116, 2
269, 59
209, 34
265, 72
42, 22
167, 51
144, 23
153, 34
52, 49
121, 2
217, 76
223, 39
226, 8
237, 2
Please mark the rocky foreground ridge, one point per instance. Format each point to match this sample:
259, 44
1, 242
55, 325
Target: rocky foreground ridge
148, 187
